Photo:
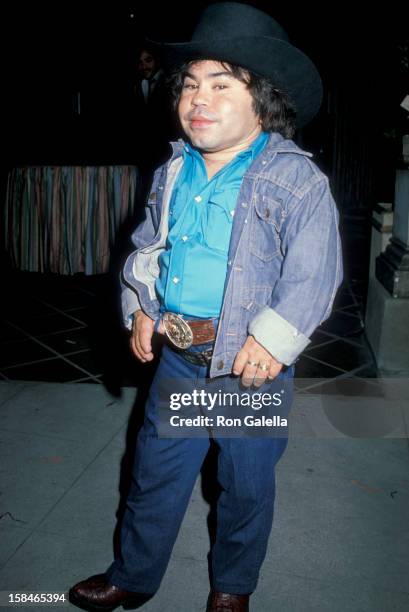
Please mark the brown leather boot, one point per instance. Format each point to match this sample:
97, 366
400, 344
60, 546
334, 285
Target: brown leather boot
227, 602
96, 593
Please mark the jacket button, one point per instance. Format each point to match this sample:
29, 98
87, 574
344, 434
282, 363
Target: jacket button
220, 365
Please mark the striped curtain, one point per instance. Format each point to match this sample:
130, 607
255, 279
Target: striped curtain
64, 219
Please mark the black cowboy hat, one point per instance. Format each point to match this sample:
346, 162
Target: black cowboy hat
243, 35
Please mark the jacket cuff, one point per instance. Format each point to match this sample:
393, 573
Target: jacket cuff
284, 341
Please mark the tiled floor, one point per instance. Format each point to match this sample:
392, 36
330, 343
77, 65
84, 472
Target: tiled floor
67, 329
64, 329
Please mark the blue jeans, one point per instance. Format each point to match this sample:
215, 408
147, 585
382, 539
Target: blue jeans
164, 474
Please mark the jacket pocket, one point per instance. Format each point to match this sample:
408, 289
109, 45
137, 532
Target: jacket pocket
255, 298
152, 209
252, 301
266, 222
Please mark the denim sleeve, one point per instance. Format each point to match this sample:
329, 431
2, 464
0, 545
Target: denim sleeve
310, 276
141, 236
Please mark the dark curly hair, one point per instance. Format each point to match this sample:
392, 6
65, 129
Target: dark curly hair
276, 112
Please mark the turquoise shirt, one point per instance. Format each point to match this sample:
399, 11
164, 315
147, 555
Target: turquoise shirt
194, 264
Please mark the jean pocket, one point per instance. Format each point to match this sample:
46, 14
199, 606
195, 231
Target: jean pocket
265, 228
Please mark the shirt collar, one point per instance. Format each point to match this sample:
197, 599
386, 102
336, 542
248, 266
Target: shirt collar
276, 144
253, 150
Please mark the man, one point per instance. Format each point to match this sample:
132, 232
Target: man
238, 262
152, 117
149, 72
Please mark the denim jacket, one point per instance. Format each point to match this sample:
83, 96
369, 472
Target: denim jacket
284, 262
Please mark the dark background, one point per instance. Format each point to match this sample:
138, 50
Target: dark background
53, 52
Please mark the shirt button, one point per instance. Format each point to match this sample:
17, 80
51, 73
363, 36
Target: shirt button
220, 365
184, 238
232, 213
176, 280
229, 262
244, 204
198, 198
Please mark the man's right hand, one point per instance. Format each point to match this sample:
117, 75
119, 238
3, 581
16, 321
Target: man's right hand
141, 338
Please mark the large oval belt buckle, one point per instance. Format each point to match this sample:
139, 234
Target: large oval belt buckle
177, 330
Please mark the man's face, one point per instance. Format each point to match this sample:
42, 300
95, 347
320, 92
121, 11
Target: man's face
146, 65
216, 109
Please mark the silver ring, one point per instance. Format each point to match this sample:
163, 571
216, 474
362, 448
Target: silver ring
253, 363
264, 367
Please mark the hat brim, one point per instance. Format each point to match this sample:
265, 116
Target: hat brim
285, 65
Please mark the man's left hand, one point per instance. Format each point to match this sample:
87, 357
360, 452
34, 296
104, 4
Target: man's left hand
254, 364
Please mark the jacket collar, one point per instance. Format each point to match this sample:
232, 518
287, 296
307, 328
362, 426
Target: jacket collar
275, 144
279, 144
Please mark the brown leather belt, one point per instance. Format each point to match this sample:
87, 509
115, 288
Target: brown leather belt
184, 333
203, 331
